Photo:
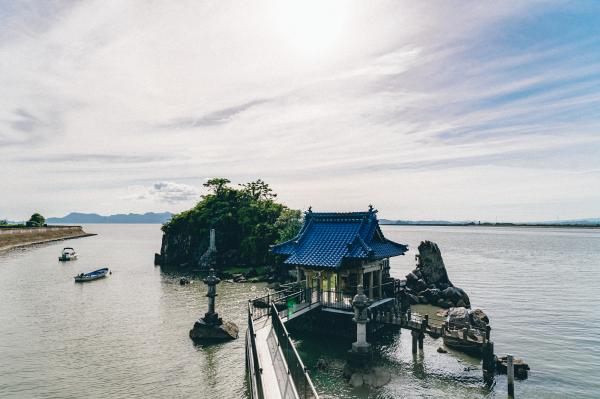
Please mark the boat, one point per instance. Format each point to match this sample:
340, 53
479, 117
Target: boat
95, 275
68, 253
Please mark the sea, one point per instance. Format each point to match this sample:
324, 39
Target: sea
126, 336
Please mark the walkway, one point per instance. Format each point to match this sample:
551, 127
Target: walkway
272, 362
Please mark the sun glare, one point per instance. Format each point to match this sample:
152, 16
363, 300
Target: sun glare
310, 27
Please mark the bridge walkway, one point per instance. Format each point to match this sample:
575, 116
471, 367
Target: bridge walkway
273, 363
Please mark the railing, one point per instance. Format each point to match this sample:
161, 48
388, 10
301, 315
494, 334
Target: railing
283, 300
252, 360
296, 368
336, 300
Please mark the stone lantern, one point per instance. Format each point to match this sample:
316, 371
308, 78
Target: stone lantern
212, 317
211, 327
360, 304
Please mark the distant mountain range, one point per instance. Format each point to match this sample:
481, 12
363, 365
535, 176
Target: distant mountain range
573, 222
134, 218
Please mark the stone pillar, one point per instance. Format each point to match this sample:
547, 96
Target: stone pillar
298, 274
371, 285
380, 282
212, 246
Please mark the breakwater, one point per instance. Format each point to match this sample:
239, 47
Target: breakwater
12, 237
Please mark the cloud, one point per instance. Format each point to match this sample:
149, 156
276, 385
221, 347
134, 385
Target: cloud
89, 158
213, 118
109, 96
165, 192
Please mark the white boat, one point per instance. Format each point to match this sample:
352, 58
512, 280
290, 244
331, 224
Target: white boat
95, 275
68, 253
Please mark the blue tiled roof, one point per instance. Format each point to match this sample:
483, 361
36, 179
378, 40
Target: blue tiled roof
327, 239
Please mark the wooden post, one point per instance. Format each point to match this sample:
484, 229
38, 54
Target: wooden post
371, 285
424, 323
298, 275
488, 357
510, 372
320, 286
415, 336
380, 278
328, 287
338, 286
359, 276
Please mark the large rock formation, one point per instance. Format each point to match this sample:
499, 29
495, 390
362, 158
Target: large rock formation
429, 282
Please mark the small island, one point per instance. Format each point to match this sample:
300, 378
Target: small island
246, 221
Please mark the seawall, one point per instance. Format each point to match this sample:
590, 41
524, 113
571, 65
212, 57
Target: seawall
12, 237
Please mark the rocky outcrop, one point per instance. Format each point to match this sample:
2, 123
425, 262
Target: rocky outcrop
428, 283
375, 378
207, 331
180, 250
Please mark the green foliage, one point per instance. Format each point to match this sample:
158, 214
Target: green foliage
247, 221
36, 220
3, 223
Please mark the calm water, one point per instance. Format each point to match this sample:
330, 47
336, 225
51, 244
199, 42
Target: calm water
127, 335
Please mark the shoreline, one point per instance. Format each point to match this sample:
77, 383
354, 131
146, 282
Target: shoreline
25, 237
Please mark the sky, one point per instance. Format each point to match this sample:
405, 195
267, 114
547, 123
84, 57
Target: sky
454, 110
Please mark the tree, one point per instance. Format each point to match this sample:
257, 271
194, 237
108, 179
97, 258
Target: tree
289, 224
258, 190
3, 222
36, 220
217, 185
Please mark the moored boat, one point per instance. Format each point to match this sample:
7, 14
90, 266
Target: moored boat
96, 274
67, 254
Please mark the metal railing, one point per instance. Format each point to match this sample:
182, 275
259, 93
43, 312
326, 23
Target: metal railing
284, 300
336, 300
252, 360
296, 368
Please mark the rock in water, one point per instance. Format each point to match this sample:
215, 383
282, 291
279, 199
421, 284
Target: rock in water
429, 282
204, 331
356, 380
431, 265
376, 378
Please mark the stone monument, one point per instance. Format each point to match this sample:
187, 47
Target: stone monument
208, 260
